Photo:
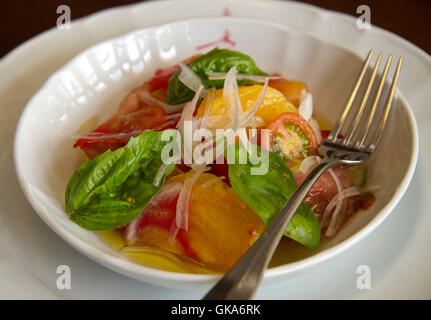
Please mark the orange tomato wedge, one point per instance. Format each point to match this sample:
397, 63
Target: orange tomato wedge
292, 90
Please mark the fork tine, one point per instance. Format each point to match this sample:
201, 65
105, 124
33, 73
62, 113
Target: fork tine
379, 133
354, 124
376, 102
342, 119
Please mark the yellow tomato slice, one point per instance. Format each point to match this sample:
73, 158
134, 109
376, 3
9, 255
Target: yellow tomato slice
221, 226
273, 105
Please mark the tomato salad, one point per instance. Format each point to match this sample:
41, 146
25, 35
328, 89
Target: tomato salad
192, 217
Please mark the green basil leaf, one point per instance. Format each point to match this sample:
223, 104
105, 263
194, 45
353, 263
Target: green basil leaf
267, 193
217, 60
114, 188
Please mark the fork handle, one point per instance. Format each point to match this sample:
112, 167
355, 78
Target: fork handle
243, 278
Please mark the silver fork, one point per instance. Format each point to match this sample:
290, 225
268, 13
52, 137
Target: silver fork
357, 145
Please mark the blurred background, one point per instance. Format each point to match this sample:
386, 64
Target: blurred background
22, 19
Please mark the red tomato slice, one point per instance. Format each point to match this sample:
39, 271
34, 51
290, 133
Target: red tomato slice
132, 116
159, 215
325, 189
291, 136
161, 77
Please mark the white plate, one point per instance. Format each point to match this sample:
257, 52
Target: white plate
386, 254
94, 82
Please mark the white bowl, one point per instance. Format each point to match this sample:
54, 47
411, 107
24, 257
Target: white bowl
94, 82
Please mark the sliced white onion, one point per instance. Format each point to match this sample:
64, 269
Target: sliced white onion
305, 108
131, 231
315, 125
246, 118
189, 109
339, 204
212, 181
173, 231
258, 122
173, 115
190, 79
169, 108
241, 76
346, 193
231, 97
160, 174
168, 192
308, 163
182, 209
218, 121
187, 115
336, 179
237, 117
207, 108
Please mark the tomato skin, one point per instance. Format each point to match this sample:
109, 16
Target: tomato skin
278, 127
325, 189
161, 77
325, 134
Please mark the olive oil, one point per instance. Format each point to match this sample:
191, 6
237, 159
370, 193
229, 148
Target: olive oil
151, 256
287, 251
